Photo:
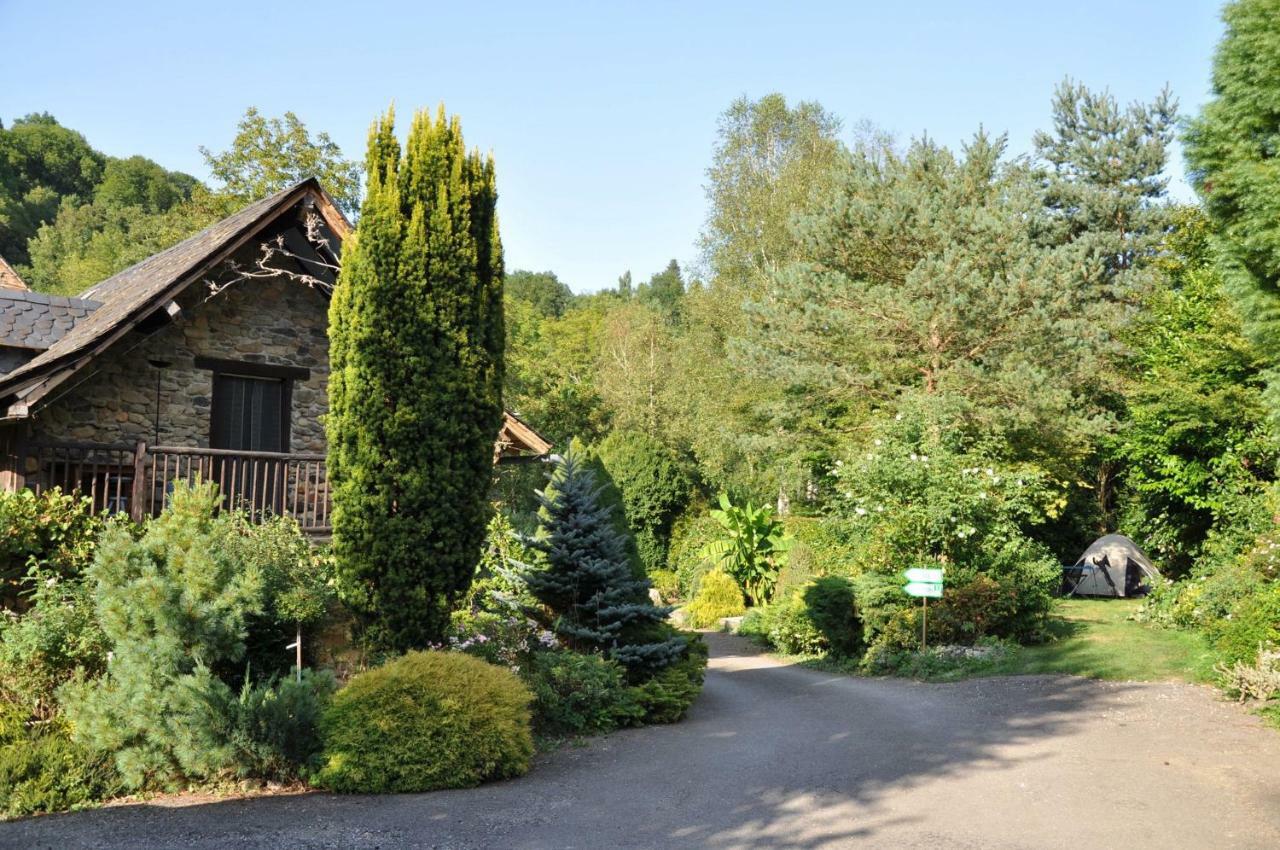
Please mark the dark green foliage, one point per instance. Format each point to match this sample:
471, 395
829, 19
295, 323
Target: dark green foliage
270, 731
664, 291
654, 488
667, 697
834, 611
41, 163
1232, 148
611, 498
579, 694
595, 602
43, 770
546, 293
53, 531
424, 721
416, 353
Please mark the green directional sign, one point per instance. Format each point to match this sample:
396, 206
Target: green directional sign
930, 576
927, 589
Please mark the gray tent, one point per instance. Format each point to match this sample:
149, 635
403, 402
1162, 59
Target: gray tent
1112, 566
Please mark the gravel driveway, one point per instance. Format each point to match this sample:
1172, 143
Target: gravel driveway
778, 756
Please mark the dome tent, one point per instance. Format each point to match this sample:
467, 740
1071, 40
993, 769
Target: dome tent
1113, 565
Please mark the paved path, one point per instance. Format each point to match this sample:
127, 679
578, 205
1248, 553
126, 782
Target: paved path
777, 756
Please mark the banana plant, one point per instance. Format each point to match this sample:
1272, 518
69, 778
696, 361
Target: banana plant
753, 549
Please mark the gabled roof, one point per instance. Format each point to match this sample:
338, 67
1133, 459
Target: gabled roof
9, 279
135, 293
37, 321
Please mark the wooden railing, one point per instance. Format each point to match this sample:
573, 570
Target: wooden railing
138, 480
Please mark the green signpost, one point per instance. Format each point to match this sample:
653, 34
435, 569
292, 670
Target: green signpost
925, 583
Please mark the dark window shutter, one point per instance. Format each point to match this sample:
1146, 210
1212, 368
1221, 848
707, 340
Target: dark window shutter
248, 414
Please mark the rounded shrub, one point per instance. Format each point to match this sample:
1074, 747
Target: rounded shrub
718, 597
426, 720
834, 612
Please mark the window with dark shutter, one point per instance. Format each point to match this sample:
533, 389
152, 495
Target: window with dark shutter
249, 414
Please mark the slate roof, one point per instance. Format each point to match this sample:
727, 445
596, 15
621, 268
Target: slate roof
37, 321
136, 292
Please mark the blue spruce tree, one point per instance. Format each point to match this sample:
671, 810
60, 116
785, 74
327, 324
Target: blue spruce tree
585, 580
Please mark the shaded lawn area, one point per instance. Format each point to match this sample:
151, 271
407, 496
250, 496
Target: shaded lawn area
1095, 638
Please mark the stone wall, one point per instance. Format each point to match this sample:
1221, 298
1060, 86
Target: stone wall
276, 322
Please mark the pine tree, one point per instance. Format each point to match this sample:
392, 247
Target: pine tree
586, 581
416, 353
1233, 150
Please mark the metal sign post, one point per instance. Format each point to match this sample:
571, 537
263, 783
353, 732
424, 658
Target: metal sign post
925, 583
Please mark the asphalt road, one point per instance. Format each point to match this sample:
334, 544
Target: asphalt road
777, 756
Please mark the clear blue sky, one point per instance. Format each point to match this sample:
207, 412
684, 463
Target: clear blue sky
602, 116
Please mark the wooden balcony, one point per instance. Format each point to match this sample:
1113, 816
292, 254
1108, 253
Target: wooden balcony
138, 479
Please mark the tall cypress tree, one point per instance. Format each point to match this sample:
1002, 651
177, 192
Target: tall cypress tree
586, 581
415, 404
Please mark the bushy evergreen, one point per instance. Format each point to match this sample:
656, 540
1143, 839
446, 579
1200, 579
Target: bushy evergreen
170, 603
654, 489
416, 353
586, 583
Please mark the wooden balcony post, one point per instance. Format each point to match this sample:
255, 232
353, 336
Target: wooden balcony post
139, 480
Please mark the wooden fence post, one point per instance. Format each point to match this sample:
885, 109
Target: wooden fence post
139, 480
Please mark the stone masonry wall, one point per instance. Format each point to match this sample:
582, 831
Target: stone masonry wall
277, 322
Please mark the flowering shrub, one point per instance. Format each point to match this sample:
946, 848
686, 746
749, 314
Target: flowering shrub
917, 497
507, 640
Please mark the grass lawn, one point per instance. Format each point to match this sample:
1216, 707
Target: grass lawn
1095, 638
1091, 637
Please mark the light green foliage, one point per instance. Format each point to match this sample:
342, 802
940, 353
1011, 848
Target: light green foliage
415, 391
786, 626
270, 154
667, 583
296, 588
53, 532
578, 694
169, 602
591, 597
43, 770
1196, 450
41, 163
1231, 149
636, 363
55, 640
690, 533
553, 367
718, 596
86, 244
424, 721
752, 547
654, 488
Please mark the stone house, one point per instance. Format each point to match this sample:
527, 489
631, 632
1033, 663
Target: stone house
209, 358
